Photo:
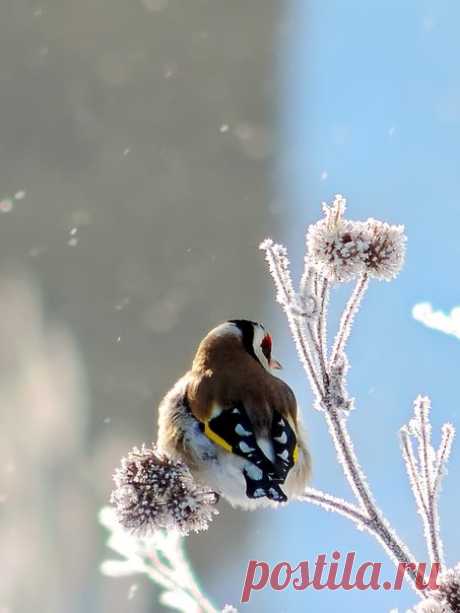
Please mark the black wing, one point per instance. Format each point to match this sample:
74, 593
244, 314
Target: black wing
284, 444
233, 431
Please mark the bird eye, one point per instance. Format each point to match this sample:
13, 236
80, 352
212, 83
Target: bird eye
266, 346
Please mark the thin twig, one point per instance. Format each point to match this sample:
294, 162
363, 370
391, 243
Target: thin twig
355, 476
347, 509
180, 578
348, 315
305, 357
337, 427
448, 433
321, 327
192, 586
425, 451
276, 256
411, 467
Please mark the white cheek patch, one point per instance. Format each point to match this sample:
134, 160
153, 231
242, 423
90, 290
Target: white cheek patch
259, 335
262, 359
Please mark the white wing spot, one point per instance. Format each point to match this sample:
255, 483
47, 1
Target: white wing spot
259, 492
281, 439
266, 446
284, 455
237, 411
245, 447
281, 422
241, 431
253, 472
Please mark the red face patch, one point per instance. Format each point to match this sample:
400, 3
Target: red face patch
266, 346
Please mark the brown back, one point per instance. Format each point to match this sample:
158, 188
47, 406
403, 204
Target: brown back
223, 373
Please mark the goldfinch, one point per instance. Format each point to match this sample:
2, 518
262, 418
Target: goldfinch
234, 423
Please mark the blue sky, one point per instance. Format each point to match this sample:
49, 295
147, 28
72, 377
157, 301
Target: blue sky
370, 108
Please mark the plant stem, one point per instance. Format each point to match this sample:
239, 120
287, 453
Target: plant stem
396, 548
348, 315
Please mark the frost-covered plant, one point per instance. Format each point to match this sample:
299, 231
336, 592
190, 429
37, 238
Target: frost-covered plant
448, 593
154, 493
426, 473
156, 502
159, 554
446, 599
341, 250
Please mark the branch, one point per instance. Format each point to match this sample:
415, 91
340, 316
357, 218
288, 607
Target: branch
380, 527
331, 503
304, 353
276, 256
442, 457
425, 477
322, 320
348, 316
412, 470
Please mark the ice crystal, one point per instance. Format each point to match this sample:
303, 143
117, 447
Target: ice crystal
153, 492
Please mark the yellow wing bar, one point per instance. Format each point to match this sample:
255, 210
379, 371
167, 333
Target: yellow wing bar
215, 438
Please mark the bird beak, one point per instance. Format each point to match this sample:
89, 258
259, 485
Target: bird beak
275, 364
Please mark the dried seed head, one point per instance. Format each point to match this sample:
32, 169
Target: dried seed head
449, 590
386, 247
333, 244
153, 492
430, 605
341, 249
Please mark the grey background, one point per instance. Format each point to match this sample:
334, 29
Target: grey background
143, 135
